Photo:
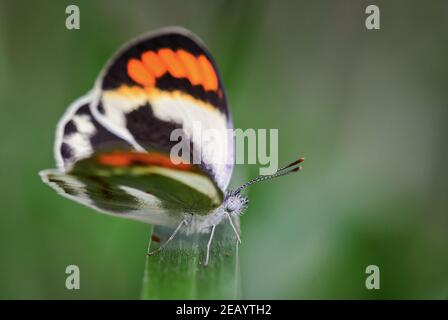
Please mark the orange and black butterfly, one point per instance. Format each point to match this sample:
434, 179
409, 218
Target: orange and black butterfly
114, 145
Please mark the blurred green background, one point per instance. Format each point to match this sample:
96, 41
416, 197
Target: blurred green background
368, 109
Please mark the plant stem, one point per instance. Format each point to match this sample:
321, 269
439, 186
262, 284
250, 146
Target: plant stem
177, 272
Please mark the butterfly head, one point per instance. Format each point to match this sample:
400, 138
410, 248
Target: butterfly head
236, 203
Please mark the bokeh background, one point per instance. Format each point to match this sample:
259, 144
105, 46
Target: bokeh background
368, 109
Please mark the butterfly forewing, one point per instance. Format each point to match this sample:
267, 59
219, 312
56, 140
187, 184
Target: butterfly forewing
163, 82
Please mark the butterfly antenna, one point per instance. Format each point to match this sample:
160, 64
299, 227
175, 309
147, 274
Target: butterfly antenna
288, 169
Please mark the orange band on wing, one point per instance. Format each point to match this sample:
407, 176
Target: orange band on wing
210, 80
173, 63
130, 158
191, 64
154, 64
179, 64
140, 74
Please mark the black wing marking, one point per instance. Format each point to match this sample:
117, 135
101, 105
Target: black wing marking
79, 135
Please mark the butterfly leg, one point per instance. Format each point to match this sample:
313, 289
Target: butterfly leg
169, 239
233, 227
209, 245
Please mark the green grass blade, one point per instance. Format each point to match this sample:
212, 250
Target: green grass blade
177, 272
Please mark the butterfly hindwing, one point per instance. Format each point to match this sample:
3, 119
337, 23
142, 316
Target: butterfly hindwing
179, 187
111, 199
137, 185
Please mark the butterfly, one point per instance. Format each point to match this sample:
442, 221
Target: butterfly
113, 145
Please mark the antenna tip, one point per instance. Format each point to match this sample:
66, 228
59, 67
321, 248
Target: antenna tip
299, 168
301, 159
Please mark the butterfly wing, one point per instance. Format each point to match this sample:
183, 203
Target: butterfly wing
79, 135
115, 200
162, 82
136, 186
112, 154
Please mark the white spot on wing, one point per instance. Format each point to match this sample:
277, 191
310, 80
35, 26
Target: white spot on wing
84, 124
79, 141
68, 115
